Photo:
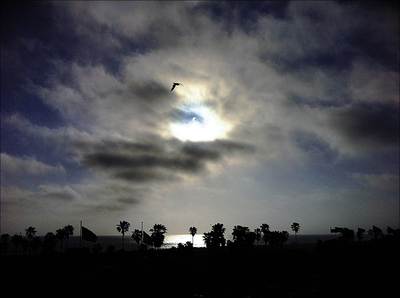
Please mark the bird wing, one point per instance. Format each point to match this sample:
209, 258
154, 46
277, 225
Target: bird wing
173, 87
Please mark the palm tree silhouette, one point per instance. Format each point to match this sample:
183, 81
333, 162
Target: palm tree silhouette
193, 231
69, 230
30, 232
215, 238
157, 234
137, 236
123, 227
295, 228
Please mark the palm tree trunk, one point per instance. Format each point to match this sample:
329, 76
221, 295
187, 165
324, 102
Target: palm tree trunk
193, 240
123, 238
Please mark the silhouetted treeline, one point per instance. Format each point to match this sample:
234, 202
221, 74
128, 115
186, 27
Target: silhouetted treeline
32, 243
242, 237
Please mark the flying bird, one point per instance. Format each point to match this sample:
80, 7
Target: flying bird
174, 85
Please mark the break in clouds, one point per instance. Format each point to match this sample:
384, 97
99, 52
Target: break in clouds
304, 98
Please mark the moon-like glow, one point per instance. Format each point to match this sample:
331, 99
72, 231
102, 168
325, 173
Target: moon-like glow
201, 125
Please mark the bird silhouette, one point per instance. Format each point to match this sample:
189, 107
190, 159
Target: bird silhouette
174, 85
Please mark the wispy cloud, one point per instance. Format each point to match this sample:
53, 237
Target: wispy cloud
21, 166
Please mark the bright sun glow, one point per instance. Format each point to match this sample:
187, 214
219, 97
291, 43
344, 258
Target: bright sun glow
200, 124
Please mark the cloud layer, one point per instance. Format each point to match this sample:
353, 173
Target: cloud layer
309, 90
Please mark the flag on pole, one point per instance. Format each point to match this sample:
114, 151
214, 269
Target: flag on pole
88, 235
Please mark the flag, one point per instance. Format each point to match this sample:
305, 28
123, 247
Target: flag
88, 235
147, 239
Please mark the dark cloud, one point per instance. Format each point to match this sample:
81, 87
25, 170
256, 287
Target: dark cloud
119, 199
157, 163
232, 146
199, 152
118, 146
368, 124
137, 175
146, 161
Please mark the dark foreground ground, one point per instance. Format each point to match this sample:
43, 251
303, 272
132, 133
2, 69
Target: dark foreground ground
331, 269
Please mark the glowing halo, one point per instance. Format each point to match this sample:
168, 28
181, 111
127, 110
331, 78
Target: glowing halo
198, 123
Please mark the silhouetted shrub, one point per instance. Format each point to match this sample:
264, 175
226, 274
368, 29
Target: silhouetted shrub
346, 234
360, 234
4, 243
278, 239
242, 237
49, 243
265, 233
393, 233
376, 233
35, 244
16, 240
257, 231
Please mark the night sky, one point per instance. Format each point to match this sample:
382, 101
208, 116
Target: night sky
289, 111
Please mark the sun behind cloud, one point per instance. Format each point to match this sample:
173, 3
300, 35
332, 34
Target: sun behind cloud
199, 123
